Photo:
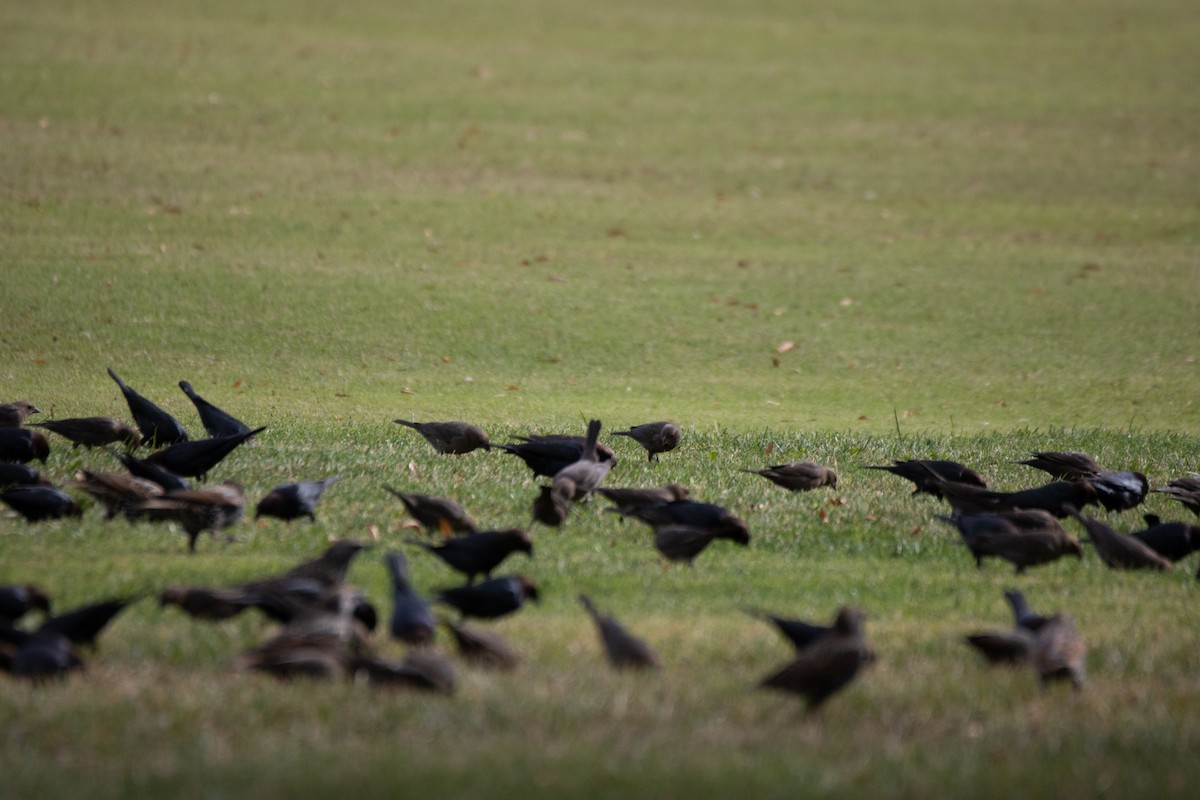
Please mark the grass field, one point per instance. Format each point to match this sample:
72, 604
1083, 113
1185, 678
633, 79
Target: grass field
844, 231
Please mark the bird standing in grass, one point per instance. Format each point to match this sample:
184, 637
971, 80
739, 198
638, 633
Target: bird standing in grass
217, 423
589, 470
553, 503
412, 621
92, 431
158, 428
828, 664
1064, 466
924, 474
480, 553
21, 445
195, 459
622, 649
292, 500
1119, 551
798, 476
197, 510
36, 503
456, 438
13, 415
491, 599
656, 437
436, 514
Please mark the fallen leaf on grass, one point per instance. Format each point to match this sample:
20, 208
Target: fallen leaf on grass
783, 347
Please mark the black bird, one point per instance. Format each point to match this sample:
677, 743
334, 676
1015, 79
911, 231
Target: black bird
622, 649
120, 493
82, 625
92, 431
1171, 540
1057, 498
705, 516
491, 599
825, 667
1119, 551
148, 470
798, 476
212, 603
656, 437
800, 633
685, 542
457, 438
21, 445
918, 471
157, 426
436, 514
12, 474
292, 500
1186, 490
480, 553
195, 459
412, 620
18, 600
37, 503
548, 455
553, 503
216, 422
197, 510
1118, 491
1001, 536
482, 647
589, 470
626, 500
52, 650
328, 569
1064, 466
12, 415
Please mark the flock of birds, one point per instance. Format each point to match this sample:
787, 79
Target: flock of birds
326, 624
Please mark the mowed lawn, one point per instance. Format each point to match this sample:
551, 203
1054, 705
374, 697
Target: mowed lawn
850, 232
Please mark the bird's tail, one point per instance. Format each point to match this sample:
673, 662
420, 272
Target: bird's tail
589, 606
407, 424
397, 567
589, 446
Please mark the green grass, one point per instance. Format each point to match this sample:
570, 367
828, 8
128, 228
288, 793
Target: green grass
977, 225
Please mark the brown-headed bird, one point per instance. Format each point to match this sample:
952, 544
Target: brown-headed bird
36, 503
826, 667
656, 437
21, 445
158, 428
197, 510
195, 459
798, 476
217, 423
92, 431
683, 543
436, 514
1119, 551
491, 599
1063, 466
292, 500
480, 553
456, 438
622, 649
13, 415
1171, 540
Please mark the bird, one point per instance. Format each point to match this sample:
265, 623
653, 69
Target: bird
147, 470
589, 470
13, 474
1057, 649
798, 476
691, 514
1009, 646
480, 553
194, 459
330, 568
92, 431
197, 510
13, 415
292, 500
622, 649
212, 603
800, 633
553, 503
412, 620
1056, 498
1171, 540
436, 514
491, 599
656, 437
21, 445
1186, 490
1015, 539
829, 664
118, 492
457, 438
418, 670
17, 600
626, 500
36, 503
217, 423
548, 454
1119, 551
918, 472
483, 648
684, 542
158, 428
1063, 466
1120, 490
52, 649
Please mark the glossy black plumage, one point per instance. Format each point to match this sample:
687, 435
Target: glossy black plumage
13, 474
922, 472
22, 445
799, 632
147, 470
195, 459
491, 599
412, 620
217, 423
292, 500
1063, 466
1171, 540
158, 428
36, 503
549, 455
480, 553
17, 600
1120, 490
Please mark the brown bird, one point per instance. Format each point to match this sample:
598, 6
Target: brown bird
798, 476
329, 569
92, 431
457, 438
684, 542
1186, 490
1057, 651
12, 415
436, 514
656, 437
1011, 646
21, 445
480, 553
1119, 551
1016, 540
627, 500
418, 670
622, 649
829, 664
1063, 466
553, 503
197, 510
118, 492
918, 472
589, 470
482, 648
